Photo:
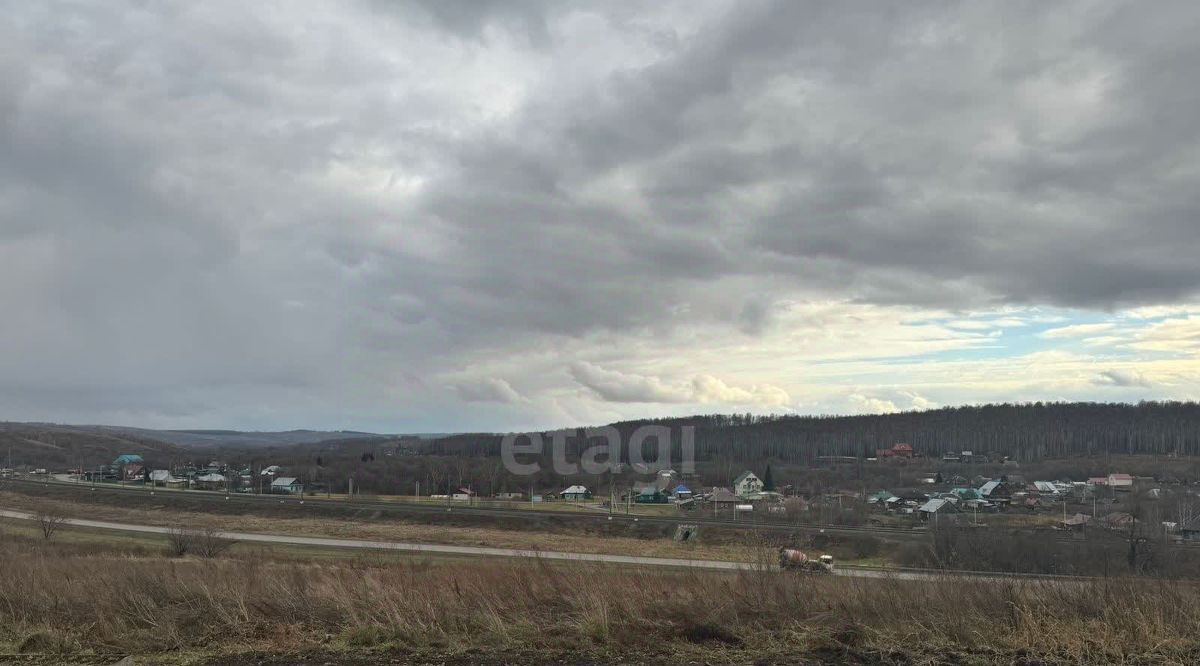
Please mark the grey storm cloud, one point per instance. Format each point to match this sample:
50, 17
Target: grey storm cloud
311, 203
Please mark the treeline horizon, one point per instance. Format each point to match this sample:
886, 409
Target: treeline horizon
1022, 431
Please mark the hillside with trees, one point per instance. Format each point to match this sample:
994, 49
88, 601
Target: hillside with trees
1023, 432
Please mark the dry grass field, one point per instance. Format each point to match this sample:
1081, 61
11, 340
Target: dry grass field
579, 541
66, 602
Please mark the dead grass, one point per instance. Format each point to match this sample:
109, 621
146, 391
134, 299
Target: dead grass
66, 602
389, 531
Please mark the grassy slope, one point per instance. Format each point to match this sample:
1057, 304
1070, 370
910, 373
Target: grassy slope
103, 601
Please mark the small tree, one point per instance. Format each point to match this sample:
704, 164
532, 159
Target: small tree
49, 520
768, 479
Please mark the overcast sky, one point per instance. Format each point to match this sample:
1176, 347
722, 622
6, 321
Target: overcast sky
442, 216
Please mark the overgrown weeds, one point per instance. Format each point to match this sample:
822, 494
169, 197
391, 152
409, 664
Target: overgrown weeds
56, 601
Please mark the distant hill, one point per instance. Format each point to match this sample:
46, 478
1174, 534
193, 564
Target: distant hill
61, 447
231, 438
1028, 431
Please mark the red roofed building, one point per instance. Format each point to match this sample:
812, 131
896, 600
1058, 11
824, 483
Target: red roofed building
897, 451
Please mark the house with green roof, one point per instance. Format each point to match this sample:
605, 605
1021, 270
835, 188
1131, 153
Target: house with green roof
966, 493
880, 497
651, 495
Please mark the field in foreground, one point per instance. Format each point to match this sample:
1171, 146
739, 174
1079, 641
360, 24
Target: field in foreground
96, 604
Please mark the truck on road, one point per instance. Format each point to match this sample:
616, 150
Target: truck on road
797, 560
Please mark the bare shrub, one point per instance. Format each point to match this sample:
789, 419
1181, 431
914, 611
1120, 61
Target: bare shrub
179, 541
49, 520
208, 542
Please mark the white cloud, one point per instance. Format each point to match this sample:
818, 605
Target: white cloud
709, 389
488, 389
703, 389
868, 405
1076, 330
615, 386
1123, 378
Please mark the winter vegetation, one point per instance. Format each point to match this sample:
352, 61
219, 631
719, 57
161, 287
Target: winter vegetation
114, 601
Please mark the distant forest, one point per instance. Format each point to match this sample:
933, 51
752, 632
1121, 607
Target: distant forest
1024, 432
725, 445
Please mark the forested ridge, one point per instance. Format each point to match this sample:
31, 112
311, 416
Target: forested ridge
1027, 431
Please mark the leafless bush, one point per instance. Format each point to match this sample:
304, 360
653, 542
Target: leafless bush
49, 520
206, 542
179, 541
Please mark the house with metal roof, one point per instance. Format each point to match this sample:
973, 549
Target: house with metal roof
576, 493
746, 484
1120, 480
128, 459
937, 505
722, 498
881, 497
211, 481
995, 489
1045, 487
651, 495
681, 493
287, 485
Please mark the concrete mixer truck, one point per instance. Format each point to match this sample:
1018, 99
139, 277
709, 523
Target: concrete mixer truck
797, 560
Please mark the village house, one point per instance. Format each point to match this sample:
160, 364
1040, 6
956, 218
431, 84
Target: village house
210, 481
897, 451
163, 478
1190, 531
881, 498
1045, 488
288, 485
722, 499
681, 493
966, 494
575, 493
995, 490
1120, 481
510, 496
747, 484
651, 495
936, 506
